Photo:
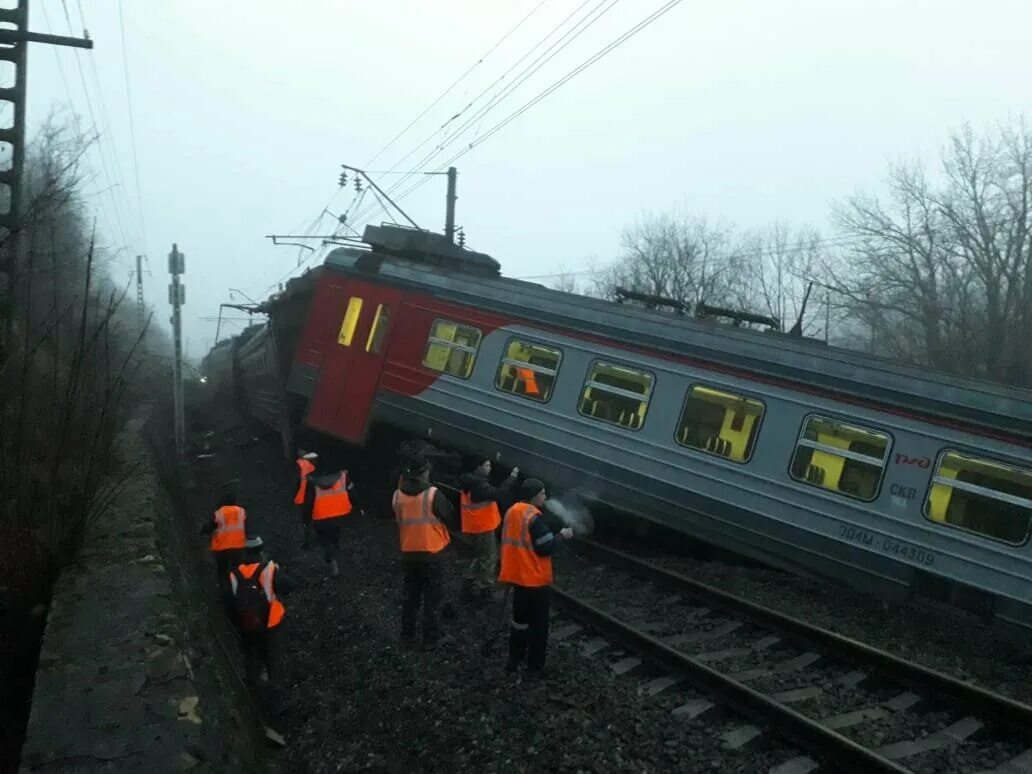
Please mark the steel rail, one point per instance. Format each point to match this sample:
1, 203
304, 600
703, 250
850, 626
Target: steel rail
1015, 716
817, 740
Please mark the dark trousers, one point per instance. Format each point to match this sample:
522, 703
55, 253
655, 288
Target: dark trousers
423, 587
327, 533
259, 653
528, 637
225, 562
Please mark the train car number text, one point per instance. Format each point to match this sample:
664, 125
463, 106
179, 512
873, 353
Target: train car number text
861, 536
912, 553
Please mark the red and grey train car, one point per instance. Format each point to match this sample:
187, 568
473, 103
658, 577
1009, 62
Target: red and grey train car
892, 478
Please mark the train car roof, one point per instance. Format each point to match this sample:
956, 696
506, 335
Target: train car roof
767, 356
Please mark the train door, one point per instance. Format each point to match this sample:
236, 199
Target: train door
350, 373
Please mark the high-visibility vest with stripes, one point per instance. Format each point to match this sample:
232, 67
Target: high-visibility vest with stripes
521, 565
268, 581
229, 528
418, 528
333, 502
478, 517
305, 467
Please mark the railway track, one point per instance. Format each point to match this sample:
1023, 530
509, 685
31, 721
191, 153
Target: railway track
846, 705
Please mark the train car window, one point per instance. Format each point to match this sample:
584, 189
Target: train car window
347, 327
841, 458
616, 394
720, 423
377, 333
528, 370
981, 496
452, 348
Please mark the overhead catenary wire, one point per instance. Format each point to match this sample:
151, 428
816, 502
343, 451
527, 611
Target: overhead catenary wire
798, 247
455, 83
620, 40
112, 183
444, 127
600, 8
132, 122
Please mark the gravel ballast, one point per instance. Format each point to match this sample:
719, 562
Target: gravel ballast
353, 700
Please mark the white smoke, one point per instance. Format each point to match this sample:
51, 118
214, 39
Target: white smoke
570, 509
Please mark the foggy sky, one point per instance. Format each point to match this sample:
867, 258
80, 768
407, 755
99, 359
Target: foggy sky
747, 111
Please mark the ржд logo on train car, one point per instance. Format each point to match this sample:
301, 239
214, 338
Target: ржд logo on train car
921, 462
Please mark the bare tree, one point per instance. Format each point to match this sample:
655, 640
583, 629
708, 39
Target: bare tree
77, 359
779, 265
686, 259
940, 270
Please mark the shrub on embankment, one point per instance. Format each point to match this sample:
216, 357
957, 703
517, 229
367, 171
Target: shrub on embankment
76, 356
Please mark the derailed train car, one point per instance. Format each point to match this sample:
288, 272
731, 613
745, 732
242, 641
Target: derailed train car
894, 479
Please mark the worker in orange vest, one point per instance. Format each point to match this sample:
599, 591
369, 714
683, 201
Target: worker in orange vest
254, 587
424, 516
481, 516
527, 547
529, 379
305, 466
327, 506
228, 534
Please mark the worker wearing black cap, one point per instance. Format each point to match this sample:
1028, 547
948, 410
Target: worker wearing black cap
424, 517
480, 518
254, 589
527, 547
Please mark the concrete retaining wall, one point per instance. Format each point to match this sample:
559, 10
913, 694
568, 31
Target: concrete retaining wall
117, 688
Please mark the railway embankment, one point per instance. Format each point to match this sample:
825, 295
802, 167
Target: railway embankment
125, 682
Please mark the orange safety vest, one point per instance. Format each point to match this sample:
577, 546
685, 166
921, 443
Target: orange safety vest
334, 502
529, 380
305, 467
229, 528
520, 563
267, 579
418, 528
478, 517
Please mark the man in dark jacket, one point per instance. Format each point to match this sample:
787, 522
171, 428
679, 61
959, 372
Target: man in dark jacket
259, 644
527, 547
424, 517
481, 516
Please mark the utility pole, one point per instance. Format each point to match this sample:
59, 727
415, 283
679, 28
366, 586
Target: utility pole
139, 289
14, 39
177, 297
449, 216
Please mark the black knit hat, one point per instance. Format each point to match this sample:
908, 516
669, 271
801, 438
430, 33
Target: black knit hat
474, 461
414, 465
531, 488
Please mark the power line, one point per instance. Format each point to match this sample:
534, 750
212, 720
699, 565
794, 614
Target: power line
112, 215
455, 83
553, 87
585, 23
798, 247
508, 89
132, 122
96, 133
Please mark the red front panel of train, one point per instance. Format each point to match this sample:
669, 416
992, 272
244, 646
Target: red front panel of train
362, 315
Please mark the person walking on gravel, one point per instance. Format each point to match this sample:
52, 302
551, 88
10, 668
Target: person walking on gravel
305, 466
254, 587
227, 530
424, 516
327, 505
527, 547
480, 518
